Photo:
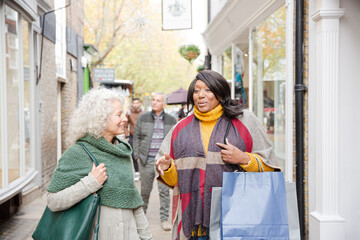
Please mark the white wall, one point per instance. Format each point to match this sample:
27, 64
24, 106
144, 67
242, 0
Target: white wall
216, 6
349, 111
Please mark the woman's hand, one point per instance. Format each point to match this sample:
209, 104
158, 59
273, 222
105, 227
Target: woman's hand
232, 154
99, 173
163, 163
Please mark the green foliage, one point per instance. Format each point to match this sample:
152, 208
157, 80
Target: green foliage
227, 62
189, 52
200, 68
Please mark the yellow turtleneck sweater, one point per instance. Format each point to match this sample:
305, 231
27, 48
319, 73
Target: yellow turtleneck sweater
208, 121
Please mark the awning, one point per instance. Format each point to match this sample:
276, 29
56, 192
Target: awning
177, 97
232, 23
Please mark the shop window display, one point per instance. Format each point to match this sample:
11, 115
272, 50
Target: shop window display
269, 74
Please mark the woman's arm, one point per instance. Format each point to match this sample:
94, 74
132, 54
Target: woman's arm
68, 197
164, 166
142, 224
262, 145
253, 165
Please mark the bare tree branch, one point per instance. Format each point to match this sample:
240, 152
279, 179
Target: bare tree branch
100, 32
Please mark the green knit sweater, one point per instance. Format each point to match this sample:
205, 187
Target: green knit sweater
119, 190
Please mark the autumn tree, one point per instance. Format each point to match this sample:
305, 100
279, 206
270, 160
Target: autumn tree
130, 39
271, 39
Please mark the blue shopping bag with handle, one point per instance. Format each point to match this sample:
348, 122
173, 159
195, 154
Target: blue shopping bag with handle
253, 206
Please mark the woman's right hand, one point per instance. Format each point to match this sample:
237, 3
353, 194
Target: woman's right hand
163, 163
99, 173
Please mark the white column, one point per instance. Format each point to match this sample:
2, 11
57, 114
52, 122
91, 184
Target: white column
325, 221
289, 121
215, 63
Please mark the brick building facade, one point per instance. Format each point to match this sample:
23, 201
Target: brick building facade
41, 82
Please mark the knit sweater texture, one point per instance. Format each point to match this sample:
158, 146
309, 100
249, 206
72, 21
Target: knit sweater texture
119, 190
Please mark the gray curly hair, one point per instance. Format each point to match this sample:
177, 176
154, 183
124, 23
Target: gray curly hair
92, 114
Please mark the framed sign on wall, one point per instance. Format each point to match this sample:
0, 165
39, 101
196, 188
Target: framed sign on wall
176, 14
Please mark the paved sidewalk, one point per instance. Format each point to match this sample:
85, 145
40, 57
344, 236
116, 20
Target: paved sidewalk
22, 224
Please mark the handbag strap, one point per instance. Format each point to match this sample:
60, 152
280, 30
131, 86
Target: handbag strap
96, 229
89, 153
227, 131
233, 166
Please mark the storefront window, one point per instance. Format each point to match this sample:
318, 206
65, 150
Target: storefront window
12, 89
60, 46
227, 64
269, 71
26, 65
241, 89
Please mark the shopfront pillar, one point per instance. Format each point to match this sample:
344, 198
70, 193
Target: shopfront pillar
325, 221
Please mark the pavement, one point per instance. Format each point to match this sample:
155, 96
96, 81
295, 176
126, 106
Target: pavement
23, 223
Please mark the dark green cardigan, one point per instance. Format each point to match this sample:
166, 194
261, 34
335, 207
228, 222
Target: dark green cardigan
119, 190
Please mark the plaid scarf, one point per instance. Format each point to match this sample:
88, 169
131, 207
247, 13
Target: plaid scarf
198, 172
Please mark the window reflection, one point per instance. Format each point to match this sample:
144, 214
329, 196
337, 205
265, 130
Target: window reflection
227, 64
26, 65
269, 71
12, 89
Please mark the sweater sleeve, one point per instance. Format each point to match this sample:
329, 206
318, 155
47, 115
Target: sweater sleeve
170, 176
136, 138
68, 197
262, 145
253, 165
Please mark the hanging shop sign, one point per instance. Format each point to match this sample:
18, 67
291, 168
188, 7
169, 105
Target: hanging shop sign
176, 14
104, 75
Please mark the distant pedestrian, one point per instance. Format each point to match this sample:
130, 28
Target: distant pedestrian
181, 112
132, 115
150, 129
95, 123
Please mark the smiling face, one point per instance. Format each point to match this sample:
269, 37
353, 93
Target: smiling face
116, 122
204, 99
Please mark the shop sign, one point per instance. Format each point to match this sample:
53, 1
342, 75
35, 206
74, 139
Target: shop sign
104, 75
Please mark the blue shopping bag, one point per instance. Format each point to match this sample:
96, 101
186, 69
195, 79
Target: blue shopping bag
253, 206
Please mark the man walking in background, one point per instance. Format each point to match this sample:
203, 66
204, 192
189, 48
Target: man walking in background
132, 116
150, 130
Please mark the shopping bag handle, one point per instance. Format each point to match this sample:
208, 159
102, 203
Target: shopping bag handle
259, 163
234, 168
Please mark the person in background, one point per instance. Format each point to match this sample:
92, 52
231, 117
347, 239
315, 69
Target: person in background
150, 129
193, 156
132, 115
181, 113
96, 122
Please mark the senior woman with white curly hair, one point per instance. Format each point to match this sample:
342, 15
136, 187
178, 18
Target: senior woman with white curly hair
95, 123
